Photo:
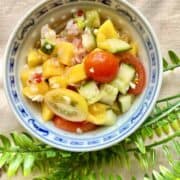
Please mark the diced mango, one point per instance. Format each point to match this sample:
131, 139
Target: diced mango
52, 67
25, 74
47, 114
35, 89
44, 56
65, 53
134, 49
34, 58
76, 73
57, 82
97, 108
106, 31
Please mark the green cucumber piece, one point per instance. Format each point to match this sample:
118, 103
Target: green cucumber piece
120, 85
125, 102
88, 40
108, 94
125, 75
93, 19
110, 118
115, 45
90, 92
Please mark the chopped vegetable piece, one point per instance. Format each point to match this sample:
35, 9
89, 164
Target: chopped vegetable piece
108, 94
56, 82
106, 31
115, 45
65, 51
90, 92
52, 67
34, 58
88, 40
92, 19
140, 71
75, 74
47, 114
125, 102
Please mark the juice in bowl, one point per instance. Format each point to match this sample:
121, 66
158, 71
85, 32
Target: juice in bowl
86, 76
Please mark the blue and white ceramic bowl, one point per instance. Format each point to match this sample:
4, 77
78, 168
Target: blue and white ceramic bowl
23, 38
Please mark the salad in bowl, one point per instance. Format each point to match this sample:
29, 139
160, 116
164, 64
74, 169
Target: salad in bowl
86, 75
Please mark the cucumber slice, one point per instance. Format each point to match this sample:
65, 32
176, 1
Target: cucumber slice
110, 118
120, 85
125, 76
93, 19
108, 94
90, 92
125, 102
126, 73
115, 45
88, 40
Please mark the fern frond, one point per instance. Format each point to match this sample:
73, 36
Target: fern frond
175, 60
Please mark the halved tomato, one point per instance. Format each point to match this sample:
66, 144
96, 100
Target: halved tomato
140, 79
77, 127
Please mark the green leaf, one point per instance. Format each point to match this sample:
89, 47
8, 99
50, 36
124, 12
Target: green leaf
5, 141
22, 140
174, 58
166, 173
3, 159
14, 165
177, 146
157, 176
165, 63
28, 164
138, 140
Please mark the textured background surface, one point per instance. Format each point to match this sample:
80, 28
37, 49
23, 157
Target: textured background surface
164, 16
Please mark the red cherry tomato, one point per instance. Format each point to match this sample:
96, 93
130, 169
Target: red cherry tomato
101, 66
140, 72
76, 127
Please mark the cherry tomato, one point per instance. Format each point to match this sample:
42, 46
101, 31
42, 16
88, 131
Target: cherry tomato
76, 127
140, 79
101, 66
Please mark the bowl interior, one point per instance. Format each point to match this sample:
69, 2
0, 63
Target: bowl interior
56, 17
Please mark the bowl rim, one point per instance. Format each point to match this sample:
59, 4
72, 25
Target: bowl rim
12, 35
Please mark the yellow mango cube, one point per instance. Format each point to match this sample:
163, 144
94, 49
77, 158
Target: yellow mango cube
47, 114
106, 31
24, 75
52, 67
34, 58
57, 82
75, 74
65, 53
44, 56
35, 89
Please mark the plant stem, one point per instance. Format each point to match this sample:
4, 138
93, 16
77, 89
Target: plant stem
168, 98
171, 67
162, 115
169, 138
